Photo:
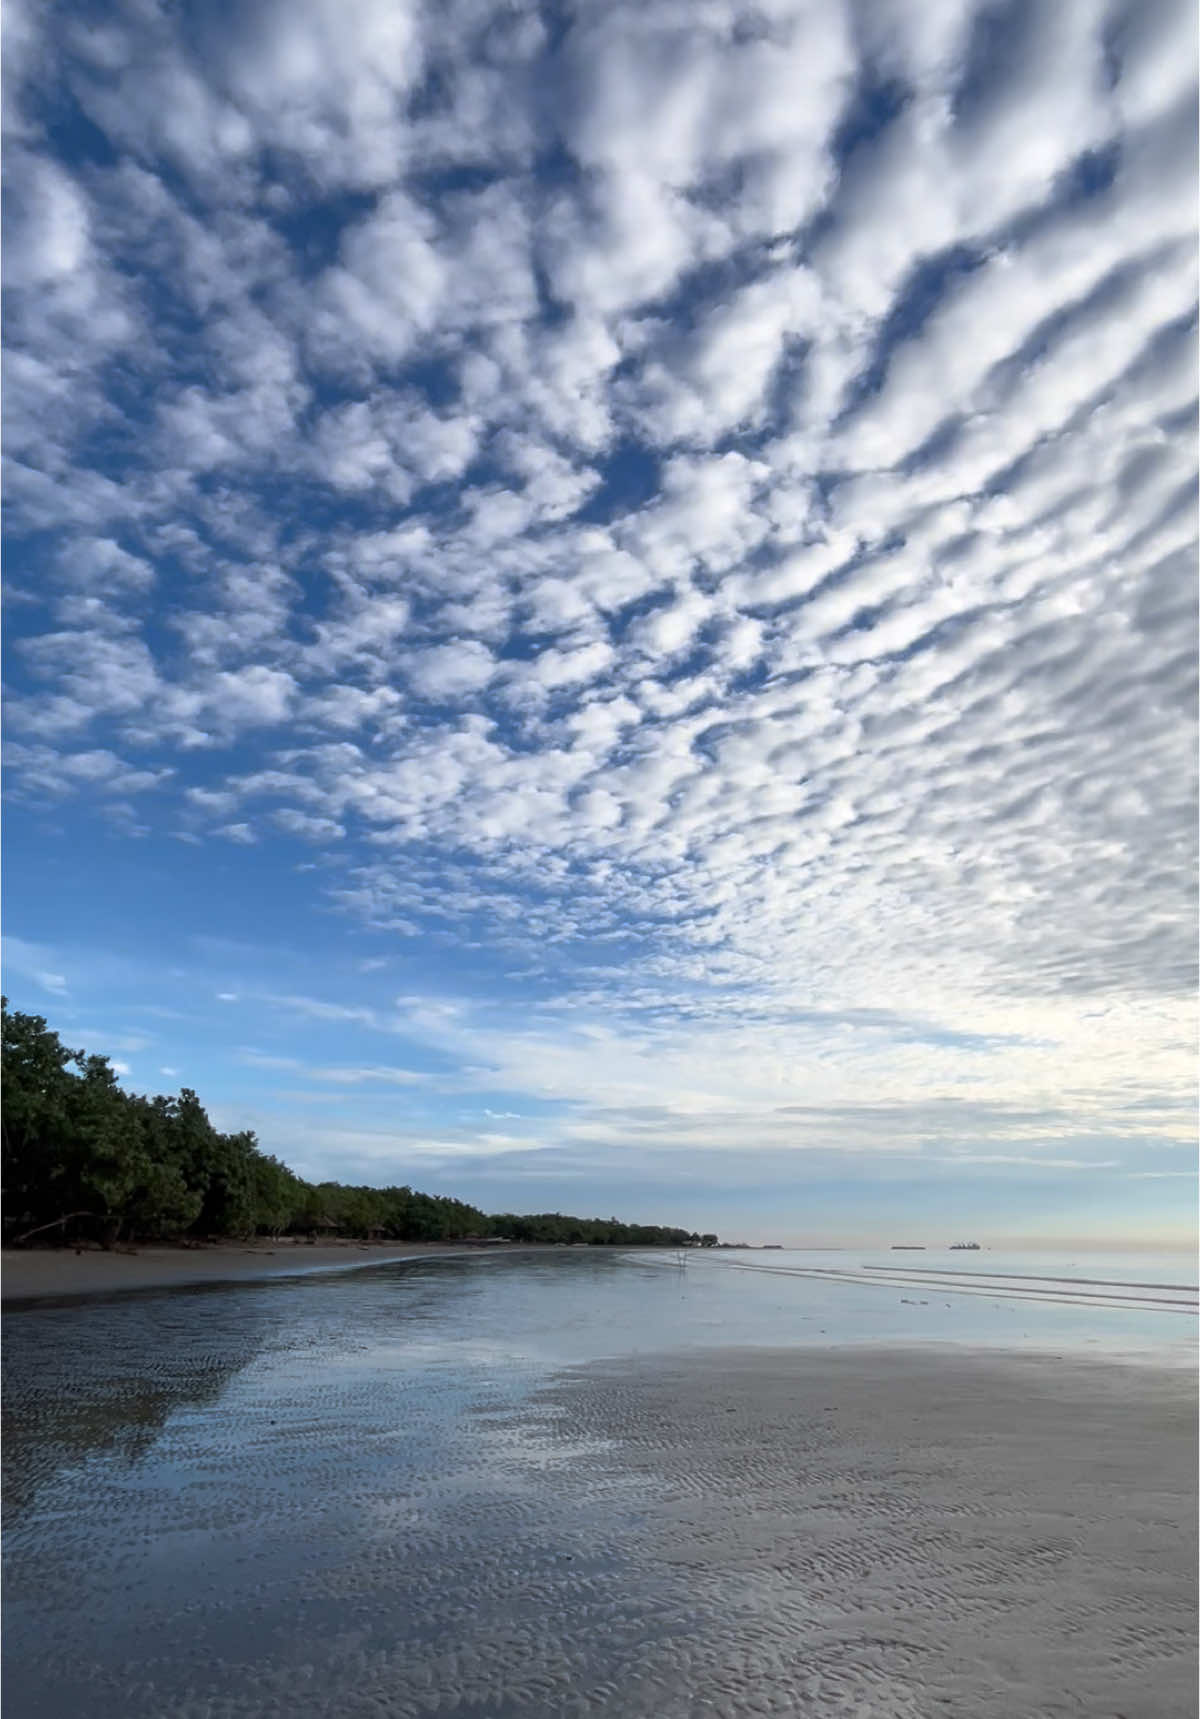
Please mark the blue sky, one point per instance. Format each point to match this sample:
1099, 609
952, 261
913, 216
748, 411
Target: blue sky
601, 599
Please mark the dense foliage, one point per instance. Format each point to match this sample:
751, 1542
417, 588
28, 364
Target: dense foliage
84, 1159
554, 1227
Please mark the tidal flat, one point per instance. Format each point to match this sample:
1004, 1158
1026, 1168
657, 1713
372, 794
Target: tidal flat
567, 1484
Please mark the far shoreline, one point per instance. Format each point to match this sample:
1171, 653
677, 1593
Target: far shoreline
38, 1274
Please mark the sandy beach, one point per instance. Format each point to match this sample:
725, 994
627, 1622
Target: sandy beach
907, 1532
373, 1492
29, 1274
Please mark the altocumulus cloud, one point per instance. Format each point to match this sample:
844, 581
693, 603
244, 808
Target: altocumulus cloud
697, 501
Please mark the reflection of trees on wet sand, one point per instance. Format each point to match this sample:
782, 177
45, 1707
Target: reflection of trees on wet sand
103, 1378
91, 1377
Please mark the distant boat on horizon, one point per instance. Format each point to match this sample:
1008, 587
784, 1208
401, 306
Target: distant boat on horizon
908, 1247
964, 1247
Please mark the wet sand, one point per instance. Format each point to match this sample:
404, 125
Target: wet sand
904, 1533
26, 1275
365, 1495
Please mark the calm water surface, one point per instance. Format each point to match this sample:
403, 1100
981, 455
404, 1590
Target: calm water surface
329, 1493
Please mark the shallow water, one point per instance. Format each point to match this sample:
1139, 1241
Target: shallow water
1125, 1306
365, 1492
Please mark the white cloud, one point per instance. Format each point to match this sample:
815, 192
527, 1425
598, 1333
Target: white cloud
386, 1076
665, 107
101, 564
327, 88
312, 829
640, 494
50, 242
32, 961
716, 380
447, 672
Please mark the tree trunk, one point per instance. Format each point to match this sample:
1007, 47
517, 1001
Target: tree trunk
53, 1224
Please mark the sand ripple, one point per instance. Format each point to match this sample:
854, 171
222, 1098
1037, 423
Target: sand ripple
219, 1508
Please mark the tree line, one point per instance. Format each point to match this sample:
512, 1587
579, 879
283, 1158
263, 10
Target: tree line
85, 1160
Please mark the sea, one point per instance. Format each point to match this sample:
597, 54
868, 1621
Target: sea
352, 1491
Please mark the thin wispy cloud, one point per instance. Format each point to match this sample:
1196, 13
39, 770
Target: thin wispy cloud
683, 522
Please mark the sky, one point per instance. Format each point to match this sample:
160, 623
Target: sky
601, 598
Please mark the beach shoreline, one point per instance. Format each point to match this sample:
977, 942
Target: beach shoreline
37, 1274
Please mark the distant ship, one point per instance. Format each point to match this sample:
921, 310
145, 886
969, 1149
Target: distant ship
964, 1247
908, 1247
